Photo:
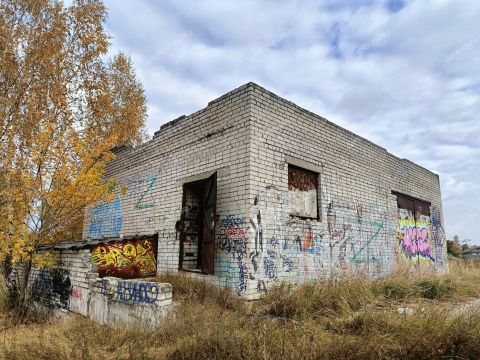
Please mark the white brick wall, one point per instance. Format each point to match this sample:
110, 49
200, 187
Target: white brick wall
247, 135
212, 139
73, 284
359, 232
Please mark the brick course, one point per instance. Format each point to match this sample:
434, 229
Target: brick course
250, 136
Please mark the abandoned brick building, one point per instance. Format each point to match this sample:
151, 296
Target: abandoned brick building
254, 190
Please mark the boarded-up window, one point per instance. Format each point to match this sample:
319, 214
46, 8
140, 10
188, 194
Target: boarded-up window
303, 192
414, 229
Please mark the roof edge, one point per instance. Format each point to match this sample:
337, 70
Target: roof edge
291, 103
86, 243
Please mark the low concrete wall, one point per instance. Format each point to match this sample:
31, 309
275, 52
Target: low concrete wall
113, 301
73, 284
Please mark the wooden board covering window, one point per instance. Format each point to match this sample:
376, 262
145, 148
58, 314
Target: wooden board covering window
303, 192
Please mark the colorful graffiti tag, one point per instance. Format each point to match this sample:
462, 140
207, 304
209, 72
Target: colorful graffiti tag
352, 236
414, 236
126, 259
232, 239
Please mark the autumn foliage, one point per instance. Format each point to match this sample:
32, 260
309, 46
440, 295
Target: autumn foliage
63, 107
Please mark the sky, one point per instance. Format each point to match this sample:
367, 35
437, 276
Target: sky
403, 74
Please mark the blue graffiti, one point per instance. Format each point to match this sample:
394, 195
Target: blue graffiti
356, 259
225, 271
52, 287
437, 234
270, 269
106, 219
104, 286
231, 221
271, 253
242, 274
137, 292
287, 264
436, 227
273, 241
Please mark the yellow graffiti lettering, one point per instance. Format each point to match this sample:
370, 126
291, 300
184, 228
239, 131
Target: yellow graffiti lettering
126, 259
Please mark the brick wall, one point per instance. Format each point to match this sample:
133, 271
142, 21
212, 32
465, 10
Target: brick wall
358, 226
66, 285
187, 149
249, 137
73, 284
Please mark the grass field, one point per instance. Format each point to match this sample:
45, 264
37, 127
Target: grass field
348, 319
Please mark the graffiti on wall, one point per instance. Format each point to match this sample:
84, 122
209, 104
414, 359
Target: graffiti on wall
106, 219
414, 235
230, 234
131, 291
103, 286
438, 236
353, 237
76, 294
361, 255
140, 190
126, 259
226, 271
231, 240
242, 274
52, 287
137, 292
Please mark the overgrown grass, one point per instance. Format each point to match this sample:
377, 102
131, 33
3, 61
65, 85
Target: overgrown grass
188, 290
12, 317
348, 319
318, 299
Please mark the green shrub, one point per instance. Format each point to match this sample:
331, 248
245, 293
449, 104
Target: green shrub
435, 289
396, 291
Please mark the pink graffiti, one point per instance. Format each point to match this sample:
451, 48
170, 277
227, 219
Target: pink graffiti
76, 294
415, 242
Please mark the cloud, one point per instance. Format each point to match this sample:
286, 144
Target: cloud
403, 74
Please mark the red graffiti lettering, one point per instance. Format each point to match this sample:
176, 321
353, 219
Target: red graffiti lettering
76, 294
234, 232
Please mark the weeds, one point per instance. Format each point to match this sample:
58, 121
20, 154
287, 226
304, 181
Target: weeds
318, 299
347, 319
188, 290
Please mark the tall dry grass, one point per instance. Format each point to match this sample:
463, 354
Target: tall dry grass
348, 319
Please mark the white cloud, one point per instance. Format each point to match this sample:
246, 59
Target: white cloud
407, 80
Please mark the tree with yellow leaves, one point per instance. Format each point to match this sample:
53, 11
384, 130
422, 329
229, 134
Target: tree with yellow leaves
63, 108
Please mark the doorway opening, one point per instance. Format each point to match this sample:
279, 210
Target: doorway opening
197, 225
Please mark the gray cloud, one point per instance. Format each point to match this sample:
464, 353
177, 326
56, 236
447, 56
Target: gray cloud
403, 74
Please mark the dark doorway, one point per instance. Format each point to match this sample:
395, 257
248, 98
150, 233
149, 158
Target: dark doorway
197, 225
